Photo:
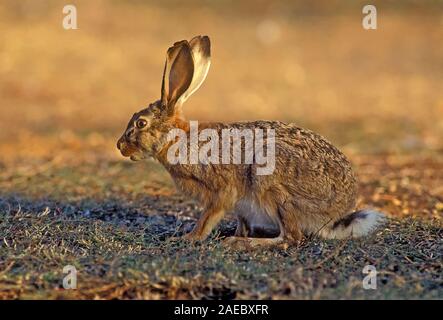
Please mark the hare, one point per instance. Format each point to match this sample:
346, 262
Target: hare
312, 190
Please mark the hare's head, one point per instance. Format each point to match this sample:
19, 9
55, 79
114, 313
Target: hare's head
186, 67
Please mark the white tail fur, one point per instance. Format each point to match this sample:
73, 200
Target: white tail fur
357, 224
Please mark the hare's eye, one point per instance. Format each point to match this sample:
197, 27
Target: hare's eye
141, 123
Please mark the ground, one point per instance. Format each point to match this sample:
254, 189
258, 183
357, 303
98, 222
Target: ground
117, 230
68, 198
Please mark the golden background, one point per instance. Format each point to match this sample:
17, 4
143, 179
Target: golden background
312, 64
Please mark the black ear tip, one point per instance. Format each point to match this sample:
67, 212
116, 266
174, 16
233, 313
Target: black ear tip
201, 39
178, 47
180, 43
206, 45
205, 39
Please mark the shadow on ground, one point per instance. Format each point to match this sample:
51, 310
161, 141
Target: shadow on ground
123, 249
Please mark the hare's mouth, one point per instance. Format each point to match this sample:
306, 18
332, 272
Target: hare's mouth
129, 150
126, 149
137, 156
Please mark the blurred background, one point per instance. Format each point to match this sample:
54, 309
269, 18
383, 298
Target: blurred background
369, 91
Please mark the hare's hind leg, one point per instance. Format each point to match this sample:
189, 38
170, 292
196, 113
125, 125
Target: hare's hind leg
252, 243
255, 228
254, 221
242, 242
242, 227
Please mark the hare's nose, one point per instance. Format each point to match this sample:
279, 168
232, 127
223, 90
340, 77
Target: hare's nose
119, 143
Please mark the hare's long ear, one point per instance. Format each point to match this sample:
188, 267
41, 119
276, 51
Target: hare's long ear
177, 75
201, 54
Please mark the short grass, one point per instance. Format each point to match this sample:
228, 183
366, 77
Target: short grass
114, 222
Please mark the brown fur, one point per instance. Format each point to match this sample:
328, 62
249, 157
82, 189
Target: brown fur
312, 187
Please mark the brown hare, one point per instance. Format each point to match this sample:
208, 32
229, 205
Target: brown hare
312, 189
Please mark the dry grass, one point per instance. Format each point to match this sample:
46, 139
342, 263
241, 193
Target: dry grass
67, 197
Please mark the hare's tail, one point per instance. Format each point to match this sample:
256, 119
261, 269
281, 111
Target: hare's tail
357, 224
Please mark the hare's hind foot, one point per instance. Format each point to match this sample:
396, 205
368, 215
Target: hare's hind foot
243, 243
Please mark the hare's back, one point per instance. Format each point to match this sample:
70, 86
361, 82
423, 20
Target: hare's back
309, 165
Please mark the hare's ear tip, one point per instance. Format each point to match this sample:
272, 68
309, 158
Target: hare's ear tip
200, 38
177, 46
203, 38
180, 43
203, 44
206, 40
